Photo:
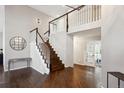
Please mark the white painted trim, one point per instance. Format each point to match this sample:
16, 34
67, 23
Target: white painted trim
84, 27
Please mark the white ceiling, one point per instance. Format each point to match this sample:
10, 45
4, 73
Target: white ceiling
52, 10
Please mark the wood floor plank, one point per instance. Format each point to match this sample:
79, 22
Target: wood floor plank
67, 78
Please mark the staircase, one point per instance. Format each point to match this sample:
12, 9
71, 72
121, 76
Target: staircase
48, 54
91, 14
55, 62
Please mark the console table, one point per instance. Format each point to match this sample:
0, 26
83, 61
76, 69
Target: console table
19, 59
118, 75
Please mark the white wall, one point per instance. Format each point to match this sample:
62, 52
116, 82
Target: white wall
79, 50
69, 51
58, 42
1, 40
37, 60
1, 18
19, 20
80, 45
63, 45
2, 28
2, 25
112, 42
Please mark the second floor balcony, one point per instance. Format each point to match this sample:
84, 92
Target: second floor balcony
84, 18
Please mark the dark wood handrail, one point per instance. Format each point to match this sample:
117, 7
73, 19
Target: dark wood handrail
37, 33
46, 32
33, 29
40, 36
45, 48
67, 13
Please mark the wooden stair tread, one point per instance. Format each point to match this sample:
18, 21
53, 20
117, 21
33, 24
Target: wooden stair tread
57, 68
55, 62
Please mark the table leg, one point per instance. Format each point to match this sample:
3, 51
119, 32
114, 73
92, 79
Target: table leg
8, 66
107, 80
28, 63
118, 83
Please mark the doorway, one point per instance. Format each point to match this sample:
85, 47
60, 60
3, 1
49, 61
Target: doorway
93, 53
87, 52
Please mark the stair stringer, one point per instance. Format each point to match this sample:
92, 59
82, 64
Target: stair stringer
38, 63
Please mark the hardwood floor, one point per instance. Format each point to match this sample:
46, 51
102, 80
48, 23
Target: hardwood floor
68, 78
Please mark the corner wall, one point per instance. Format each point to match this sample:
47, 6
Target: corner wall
112, 43
2, 25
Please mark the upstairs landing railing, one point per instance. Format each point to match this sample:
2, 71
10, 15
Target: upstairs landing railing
83, 14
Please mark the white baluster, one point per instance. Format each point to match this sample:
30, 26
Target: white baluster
100, 11
69, 20
96, 12
75, 19
81, 15
92, 13
78, 18
86, 14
